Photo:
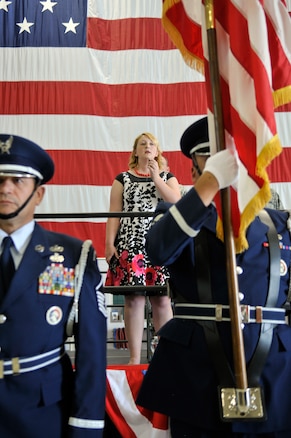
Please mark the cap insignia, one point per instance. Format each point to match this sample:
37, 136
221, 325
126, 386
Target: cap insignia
5, 146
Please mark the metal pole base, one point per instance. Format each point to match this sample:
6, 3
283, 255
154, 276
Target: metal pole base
242, 404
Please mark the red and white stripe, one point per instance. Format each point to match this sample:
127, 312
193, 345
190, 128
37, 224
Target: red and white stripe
131, 420
253, 49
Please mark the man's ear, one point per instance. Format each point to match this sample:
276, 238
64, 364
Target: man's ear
194, 174
40, 191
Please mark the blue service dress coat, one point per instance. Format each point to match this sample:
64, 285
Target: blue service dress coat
181, 380
52, 401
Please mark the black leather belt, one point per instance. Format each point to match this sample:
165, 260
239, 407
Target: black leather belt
219, 312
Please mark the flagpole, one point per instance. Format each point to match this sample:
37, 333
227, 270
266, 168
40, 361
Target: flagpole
241, 394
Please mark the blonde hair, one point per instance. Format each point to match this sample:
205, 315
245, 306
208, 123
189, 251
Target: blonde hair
133, 159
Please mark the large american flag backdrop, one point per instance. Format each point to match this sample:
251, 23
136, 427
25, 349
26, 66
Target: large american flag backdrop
83, 79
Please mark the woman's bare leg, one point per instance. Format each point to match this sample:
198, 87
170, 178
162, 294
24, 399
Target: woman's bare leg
134, 308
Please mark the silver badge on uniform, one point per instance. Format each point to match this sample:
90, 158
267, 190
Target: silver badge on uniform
283, 268
54, 315
57, 258
56, 248
39, 248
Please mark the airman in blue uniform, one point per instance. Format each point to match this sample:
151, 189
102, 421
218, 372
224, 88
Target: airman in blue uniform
194, 356
55, 292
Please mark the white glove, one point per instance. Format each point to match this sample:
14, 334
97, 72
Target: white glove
224, 166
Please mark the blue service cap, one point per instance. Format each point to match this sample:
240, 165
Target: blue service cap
195, 140
20, 156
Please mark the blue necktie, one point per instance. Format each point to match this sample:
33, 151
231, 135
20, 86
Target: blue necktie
7, 267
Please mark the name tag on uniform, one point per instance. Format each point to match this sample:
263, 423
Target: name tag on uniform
57, 280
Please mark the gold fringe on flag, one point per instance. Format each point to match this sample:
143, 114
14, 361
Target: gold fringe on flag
282, 96
190, 59
270, 151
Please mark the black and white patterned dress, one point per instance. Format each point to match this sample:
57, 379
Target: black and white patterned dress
133, 266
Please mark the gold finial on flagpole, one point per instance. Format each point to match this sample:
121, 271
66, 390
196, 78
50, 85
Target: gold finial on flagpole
209, 14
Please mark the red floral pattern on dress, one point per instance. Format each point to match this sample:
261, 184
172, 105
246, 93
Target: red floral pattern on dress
138, 265
151, 277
